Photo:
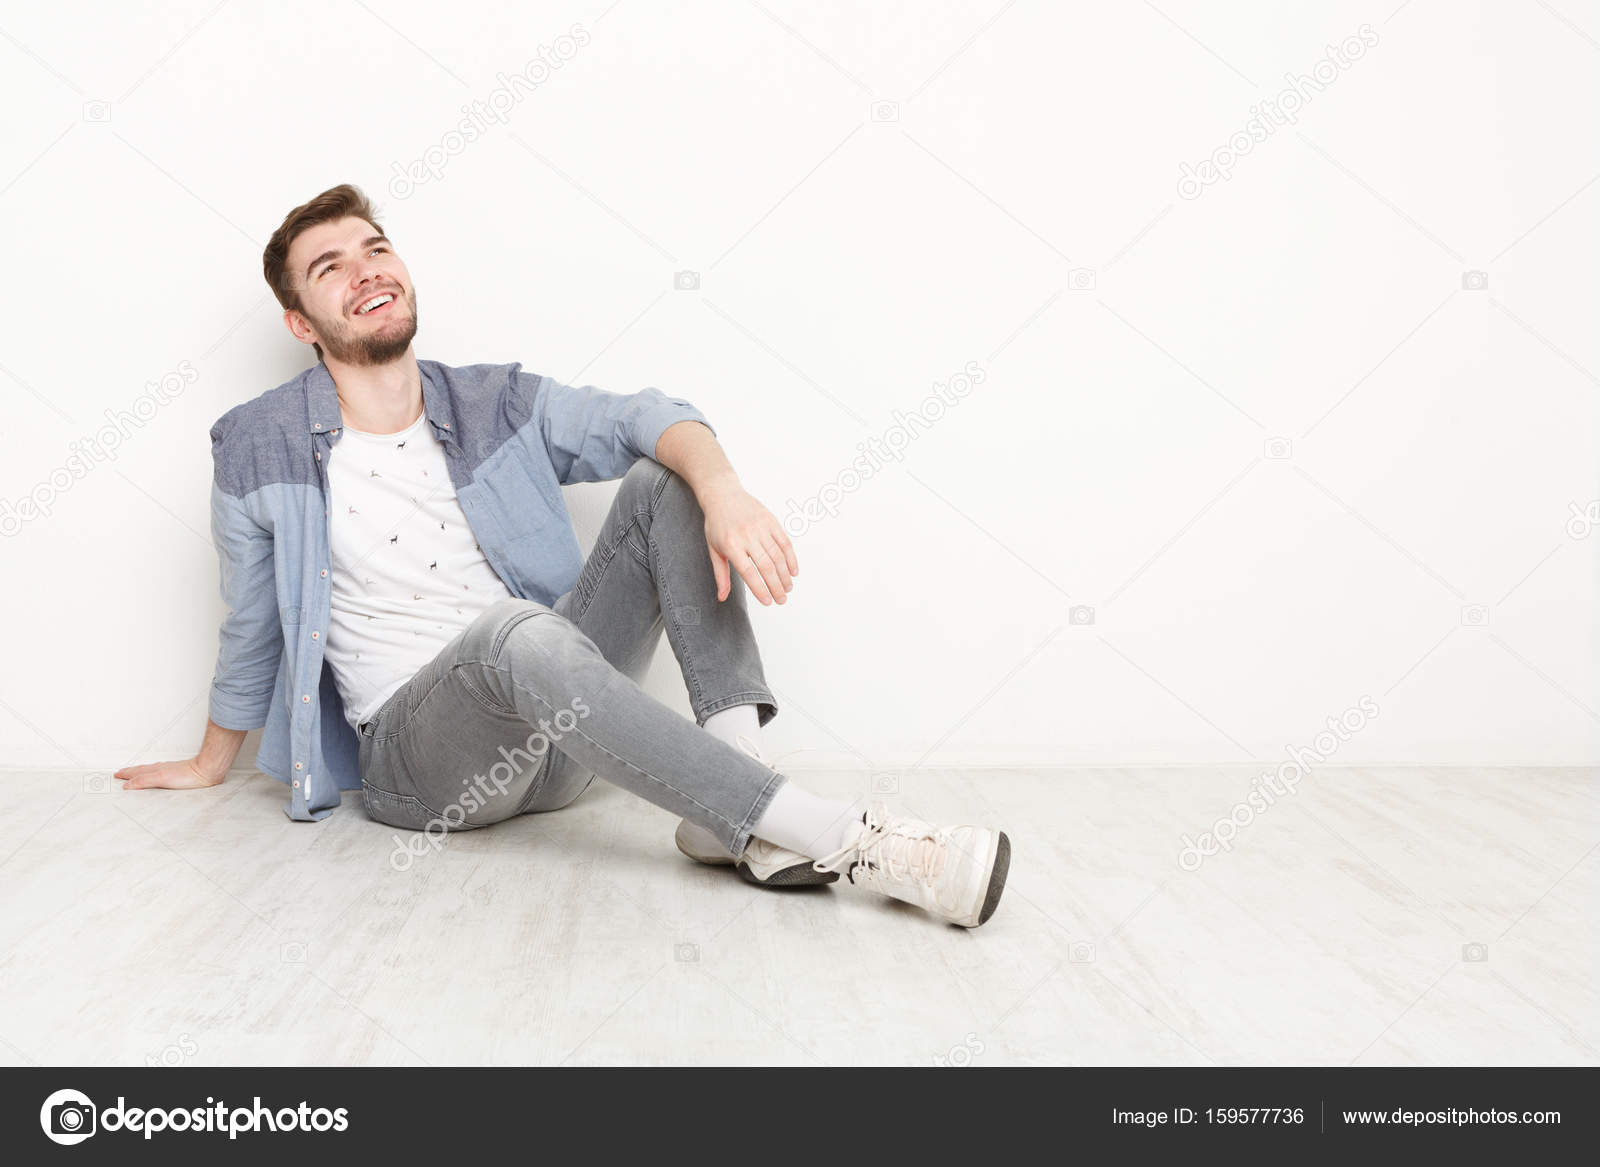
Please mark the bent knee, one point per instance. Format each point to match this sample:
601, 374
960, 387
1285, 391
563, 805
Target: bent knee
652, 487
490, 628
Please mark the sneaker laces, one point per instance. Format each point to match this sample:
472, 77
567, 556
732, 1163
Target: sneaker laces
902, 848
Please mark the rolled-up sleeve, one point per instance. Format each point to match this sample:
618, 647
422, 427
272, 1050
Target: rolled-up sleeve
594, 435
251, 638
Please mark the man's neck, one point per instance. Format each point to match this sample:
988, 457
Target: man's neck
379, 399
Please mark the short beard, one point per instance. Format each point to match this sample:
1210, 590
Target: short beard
342, 345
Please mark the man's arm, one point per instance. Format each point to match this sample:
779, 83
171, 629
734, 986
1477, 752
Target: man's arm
739, 530
207, 768
250, 643
593, 436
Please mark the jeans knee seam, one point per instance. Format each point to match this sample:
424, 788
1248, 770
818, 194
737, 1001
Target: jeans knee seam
669, 610
606, 554
504, 631
481, 698
644, 529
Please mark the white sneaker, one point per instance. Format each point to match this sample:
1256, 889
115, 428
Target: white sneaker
957, 873
764, 864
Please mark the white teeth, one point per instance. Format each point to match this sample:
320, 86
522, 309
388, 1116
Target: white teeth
375, 302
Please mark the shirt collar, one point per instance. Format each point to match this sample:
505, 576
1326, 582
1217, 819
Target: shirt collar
322, 402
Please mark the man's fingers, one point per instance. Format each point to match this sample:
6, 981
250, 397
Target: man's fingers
719, 569
751, 574
780, 565
777, 541
769, 574
787, 548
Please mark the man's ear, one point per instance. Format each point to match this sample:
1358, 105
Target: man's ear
299, 326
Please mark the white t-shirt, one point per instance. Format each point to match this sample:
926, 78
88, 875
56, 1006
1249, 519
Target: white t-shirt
408, 575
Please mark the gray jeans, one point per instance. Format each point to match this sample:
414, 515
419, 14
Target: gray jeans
522, 710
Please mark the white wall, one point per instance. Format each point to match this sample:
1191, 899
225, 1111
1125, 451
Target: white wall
1114, 457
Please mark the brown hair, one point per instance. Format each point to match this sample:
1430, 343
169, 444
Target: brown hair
335, 203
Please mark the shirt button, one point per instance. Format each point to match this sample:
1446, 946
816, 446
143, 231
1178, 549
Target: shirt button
314, 635
319, 455
318, 425
305, 697
299, 766
297, 784
324, 573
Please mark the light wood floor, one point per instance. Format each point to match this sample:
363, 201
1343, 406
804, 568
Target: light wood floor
205, 928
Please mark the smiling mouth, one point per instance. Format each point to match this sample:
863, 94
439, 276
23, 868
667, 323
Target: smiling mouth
377, 305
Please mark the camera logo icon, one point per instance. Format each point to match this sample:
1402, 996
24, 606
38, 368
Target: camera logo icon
97, 111
1583, 520
1475, 953
1277, 449
686, 953
68, 1117
1475, 616
686, 281
1475, 281
1081, 279
1081, 952
885, 111
886, 784
1080, 614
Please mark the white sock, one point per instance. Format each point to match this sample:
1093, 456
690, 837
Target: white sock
800, 821
728, 724
795, 818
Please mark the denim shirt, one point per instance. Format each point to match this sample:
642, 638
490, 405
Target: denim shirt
511, 439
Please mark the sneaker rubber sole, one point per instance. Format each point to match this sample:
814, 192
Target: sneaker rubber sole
796, 875
997, 878
799, 875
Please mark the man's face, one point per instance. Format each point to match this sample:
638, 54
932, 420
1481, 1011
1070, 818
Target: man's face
339, 269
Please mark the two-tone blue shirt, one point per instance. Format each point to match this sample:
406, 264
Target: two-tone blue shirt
511, 439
